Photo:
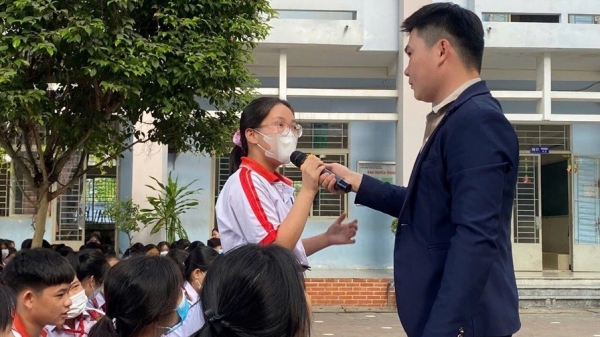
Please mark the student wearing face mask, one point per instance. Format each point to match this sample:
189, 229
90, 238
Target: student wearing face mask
197, 264
163, 248
257, 204
143, 299
91, 267
80, 319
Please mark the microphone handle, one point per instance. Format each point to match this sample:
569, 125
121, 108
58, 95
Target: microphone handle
340, 183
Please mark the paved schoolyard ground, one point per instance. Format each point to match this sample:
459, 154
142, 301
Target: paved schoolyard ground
535, 323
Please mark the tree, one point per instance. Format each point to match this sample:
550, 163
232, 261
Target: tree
78, 78
126, 214
172, 201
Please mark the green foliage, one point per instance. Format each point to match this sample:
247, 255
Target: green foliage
394, 226
76, 77
126, 214
172, 201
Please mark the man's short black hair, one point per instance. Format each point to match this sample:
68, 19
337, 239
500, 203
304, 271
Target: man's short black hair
37, 269
446, 20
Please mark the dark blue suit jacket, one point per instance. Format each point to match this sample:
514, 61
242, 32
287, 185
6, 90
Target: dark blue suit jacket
453, 264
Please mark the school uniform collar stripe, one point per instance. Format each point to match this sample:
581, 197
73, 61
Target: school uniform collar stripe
271, 177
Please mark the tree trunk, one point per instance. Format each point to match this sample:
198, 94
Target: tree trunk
41, 216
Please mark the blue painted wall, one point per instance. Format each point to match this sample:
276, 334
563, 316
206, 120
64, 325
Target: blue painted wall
188, 167
372, 141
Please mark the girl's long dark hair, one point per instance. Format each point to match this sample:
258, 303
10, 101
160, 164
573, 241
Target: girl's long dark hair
255, 291
138, 292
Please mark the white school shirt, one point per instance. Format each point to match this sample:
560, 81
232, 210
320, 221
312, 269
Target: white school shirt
191, 294
192, 322
251, 206
90, 317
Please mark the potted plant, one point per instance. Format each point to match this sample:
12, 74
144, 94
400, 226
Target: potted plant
172, 201
126, 214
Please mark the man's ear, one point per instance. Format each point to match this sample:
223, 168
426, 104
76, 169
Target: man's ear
443, 50
28, 298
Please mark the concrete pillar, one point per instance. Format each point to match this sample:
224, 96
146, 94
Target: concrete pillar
148, 160
411, 113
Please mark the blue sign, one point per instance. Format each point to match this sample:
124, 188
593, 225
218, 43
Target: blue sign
539, 150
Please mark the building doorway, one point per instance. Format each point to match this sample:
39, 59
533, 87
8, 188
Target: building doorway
556, 217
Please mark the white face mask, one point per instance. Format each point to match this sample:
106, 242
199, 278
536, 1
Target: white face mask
163, 253
79, 302
4, 253
281, 147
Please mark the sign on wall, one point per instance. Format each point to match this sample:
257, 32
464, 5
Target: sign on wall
384, 171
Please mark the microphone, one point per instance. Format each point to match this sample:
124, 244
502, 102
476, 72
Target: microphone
298, 157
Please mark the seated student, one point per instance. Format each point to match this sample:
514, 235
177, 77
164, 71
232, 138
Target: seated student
80, 319
91, 267
163, 248
40, 279
196, 266
245, 290
143, 299
215, 244
7, 310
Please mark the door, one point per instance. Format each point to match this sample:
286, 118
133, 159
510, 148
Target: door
586, 213
527, 221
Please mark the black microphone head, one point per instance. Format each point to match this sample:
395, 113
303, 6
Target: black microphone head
297, 158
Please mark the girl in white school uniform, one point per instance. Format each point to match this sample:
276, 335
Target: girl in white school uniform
257, 204
197, 264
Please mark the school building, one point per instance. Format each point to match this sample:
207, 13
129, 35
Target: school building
340, 64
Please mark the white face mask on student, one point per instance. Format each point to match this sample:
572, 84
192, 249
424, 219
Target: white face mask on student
79, 302
281, 147
4, 253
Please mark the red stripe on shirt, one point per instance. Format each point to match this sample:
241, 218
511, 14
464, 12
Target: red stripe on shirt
259, 212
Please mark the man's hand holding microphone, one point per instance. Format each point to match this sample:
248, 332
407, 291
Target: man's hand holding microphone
315, 173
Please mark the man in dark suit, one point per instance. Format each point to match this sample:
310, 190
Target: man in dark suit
453, 266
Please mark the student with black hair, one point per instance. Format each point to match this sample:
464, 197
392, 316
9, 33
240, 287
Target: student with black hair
181, 244
163, 248
143, 299
179, 256
215, 244
197, 264
91, 267
80, 319
110, 254
7, 310
94, 238
40, 279
195, 245
26, 244
259, 205
255, 290
136, 249
151, 250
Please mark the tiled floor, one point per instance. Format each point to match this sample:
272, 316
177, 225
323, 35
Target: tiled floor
535, 323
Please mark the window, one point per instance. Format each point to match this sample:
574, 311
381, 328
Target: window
505, 17
496, 17
325, 204
16, 196
584, 19
329, 141
317, 15
4, 189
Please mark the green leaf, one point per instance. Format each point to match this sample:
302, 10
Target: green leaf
16, 43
